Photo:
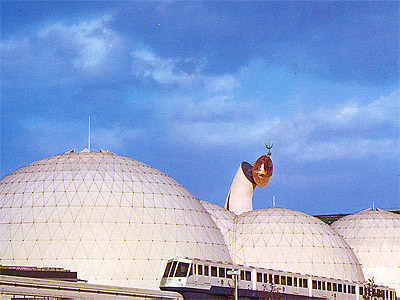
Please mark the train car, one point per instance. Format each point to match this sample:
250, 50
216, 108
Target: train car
202, 279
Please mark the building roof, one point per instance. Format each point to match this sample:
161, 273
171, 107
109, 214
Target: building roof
329, 219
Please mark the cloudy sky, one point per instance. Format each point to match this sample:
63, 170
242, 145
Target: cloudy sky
195, 88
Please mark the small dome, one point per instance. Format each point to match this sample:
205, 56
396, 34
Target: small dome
293, 241
112, 219
374, 236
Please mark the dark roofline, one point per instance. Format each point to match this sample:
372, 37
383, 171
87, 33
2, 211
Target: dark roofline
329, 219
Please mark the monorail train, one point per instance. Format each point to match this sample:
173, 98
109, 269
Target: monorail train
200, 279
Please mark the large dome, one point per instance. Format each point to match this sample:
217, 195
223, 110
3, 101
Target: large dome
112, 219
374, 236
293, 241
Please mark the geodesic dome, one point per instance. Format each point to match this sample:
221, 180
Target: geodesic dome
374, 236
112, 219
293, 241
224, 219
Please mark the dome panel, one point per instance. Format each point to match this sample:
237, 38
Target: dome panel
224, 220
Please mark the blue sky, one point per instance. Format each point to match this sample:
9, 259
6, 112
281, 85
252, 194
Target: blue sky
195, 88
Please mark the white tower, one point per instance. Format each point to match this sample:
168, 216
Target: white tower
240, 196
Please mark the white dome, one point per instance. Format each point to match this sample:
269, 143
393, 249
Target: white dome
374, 236
293, 241
224, 219
112, 219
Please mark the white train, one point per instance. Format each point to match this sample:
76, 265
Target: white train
199, 279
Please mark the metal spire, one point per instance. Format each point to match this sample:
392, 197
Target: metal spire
269, 146
89, 136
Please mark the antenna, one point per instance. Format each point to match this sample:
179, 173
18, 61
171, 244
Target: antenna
373, 205
273, 200
89, 136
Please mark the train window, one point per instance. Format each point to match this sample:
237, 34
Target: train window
314, 284
334, 287
323, 285
206, 271
248, 275
221, 272
361, 291
213, 271
241, 274
283, 280
344, 288
228, 275
270, 278
305, 283
294, 281
340, 288
329, 286
353, 289
289, 281
319, 285
265, 278
276, 279
171, 273
300, 282
259, 277
167, 269
181, 270
199, 269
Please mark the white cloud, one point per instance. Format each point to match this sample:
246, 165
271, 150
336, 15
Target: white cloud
224, 83
92, 39
386, 108
163, 71
86, 46
209, 114
168, 71
13, 45
354, 113
347, 113
114, 138
351, 130
348, 131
